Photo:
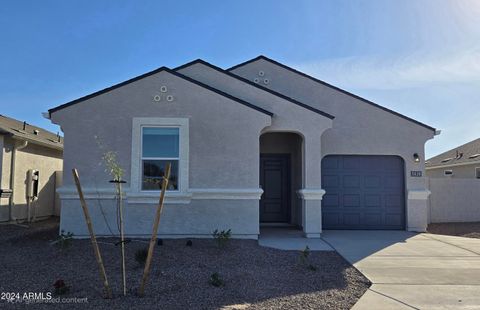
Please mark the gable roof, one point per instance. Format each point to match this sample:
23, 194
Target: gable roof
463, 154
34, 134
261, 57
303, 105
186, 78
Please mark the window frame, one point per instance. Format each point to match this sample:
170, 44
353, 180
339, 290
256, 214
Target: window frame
142, 158
137, 158
477, 172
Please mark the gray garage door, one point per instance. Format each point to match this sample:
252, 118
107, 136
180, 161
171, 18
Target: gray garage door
363, 192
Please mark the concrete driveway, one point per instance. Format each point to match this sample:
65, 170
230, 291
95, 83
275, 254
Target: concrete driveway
412, 271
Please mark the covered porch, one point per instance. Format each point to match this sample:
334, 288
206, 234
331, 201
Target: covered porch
290, 178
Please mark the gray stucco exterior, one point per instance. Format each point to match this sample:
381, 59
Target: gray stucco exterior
222, 140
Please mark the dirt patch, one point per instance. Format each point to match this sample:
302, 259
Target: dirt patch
254, 277
468, 230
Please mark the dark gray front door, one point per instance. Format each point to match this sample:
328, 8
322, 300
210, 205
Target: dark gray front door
363, 192
275, 182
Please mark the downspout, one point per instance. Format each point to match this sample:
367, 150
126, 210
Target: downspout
15, 148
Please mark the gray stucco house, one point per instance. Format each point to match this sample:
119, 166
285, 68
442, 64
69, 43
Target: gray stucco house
460, 162
259, 143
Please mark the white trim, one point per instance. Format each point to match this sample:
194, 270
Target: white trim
226, 193
311, 193
172, 197
418, 194
70, 193
183, 164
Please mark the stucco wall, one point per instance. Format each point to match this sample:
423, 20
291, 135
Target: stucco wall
358, 128
198, 219
454, 200
223, 143
4, 178
47, 161
459, 172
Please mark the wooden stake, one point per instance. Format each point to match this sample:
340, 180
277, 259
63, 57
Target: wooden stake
156, 222
96, 249
122, 238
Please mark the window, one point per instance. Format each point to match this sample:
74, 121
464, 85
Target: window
160, 145
477, 172
448, 172
156, 141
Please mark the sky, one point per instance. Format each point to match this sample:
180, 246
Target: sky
418, 57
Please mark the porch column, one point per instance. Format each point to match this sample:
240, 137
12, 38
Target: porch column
312, 192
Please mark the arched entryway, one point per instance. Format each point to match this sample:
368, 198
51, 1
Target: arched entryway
280, 177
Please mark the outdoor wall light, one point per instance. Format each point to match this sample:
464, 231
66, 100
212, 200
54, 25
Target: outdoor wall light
416, 157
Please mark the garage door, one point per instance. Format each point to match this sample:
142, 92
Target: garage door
363, 192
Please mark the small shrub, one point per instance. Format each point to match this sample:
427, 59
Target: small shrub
189, 243
304, 259
141, 256
216, 280
64, 241
312, 267
60, 287
222, 237
304, 255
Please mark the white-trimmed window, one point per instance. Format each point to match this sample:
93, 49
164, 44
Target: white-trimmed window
155, 142
448, 173
477, 172
160, 145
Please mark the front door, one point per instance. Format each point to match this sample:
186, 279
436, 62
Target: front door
275, 182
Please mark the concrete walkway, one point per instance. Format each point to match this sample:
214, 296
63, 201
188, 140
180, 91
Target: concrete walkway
412, 271
290, 239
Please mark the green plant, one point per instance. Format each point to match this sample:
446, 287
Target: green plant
222, 237
64, 240
216, 280
60, 287
141, 256
304, 258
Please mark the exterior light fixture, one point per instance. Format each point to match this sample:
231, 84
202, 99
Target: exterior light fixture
416, 157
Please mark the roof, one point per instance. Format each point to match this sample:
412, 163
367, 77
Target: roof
463, 154
108, 89
330, 86
303, 105
34, 134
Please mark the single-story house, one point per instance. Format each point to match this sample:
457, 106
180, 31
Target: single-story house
462, 162
256, 144
30, 169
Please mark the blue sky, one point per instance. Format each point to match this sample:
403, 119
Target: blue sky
418, 57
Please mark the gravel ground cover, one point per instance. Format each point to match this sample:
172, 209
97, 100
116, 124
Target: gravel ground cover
255, 277
469, 230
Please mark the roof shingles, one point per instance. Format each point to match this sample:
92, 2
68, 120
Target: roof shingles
29, 132
464, 154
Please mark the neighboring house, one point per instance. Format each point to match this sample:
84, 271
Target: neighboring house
29, 159
259, 143
454, 182
460, 162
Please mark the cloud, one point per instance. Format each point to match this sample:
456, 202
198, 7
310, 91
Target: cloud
414, 70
